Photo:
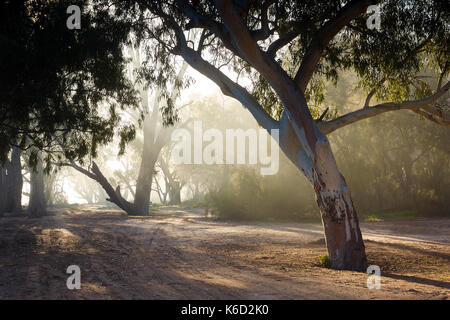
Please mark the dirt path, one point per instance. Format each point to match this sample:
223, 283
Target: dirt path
179, 254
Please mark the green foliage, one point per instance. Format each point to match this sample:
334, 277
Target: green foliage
55, 82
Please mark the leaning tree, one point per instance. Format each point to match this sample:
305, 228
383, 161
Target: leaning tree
286, 48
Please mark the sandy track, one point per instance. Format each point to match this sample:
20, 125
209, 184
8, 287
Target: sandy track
179, 254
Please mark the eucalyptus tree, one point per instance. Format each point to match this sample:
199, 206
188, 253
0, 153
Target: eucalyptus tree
319, 37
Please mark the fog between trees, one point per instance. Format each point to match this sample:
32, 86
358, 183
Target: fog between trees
388, 161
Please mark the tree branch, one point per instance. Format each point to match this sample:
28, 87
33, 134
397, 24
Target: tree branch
419, 106
369, 96
264, 32
281, 42
228, 87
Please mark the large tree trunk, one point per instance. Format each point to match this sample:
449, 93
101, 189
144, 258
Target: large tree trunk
341, 227
37, 206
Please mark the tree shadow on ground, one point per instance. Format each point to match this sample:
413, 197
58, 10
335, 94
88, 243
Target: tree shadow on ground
415, 279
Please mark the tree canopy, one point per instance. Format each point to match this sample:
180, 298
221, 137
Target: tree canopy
54, 81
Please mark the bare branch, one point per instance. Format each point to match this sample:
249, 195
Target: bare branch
227, 86
114, 195
418, 106
323, 114
369, 96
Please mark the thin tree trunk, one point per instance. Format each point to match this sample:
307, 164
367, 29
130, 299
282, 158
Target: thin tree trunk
144, 184
175, 193
37, 206
3, 184
173, 186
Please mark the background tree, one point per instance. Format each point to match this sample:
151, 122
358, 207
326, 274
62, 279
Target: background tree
154, 137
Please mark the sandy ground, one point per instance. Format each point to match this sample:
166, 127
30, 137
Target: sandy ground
179, 254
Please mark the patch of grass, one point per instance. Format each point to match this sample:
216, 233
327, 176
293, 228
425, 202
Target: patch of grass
324, 261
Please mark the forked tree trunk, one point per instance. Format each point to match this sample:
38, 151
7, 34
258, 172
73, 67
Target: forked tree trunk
37, 206
173, 186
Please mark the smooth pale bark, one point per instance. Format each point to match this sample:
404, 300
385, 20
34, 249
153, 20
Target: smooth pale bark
340, 222
37, 206
151, 149
144, 182
152, 145
342, 233
172, 185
